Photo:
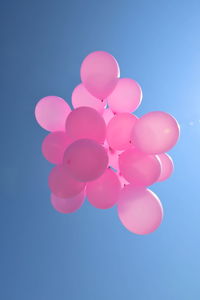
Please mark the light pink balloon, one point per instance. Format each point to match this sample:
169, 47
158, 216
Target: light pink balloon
139, 210
51, 113
107, 115
86, 123
99, 74
113, 158
67, 205
119, 131
104, 192
62, 184
81, 97
85, 160
126, 96
156, 132
138, 168
167, 166
54, 146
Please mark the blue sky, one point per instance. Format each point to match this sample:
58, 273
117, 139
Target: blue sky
89, 255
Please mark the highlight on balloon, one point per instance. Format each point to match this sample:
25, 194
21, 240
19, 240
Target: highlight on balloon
103, 152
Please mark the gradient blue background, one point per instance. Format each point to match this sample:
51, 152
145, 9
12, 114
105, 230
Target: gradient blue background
89, 255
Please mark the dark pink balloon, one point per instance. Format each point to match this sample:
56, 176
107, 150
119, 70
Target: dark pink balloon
99, 74
54, 146
104, 192
107, 115
119, 131
62, 184
86, 123
67, 205
126, 96
51, 113
138, 168
156, 132
85, 160
167, 166
139, 210
81, 97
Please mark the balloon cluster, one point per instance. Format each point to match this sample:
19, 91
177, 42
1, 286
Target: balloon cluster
102, 151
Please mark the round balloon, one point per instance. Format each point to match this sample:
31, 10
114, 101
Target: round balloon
51, 113
139, 168
119, 131
155, 133
62, 184
67, 205
99, 74
86, 123
167, 166
126, 96
139, 210
54, 146
85, 160
81, 97
104, 192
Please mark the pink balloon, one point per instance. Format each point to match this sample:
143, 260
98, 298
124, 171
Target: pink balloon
167, 166
86, 123
113, 157
156, 132
104, 192
99, 74
107, 115
51, 113
139, 210
85, 160
138, 168
126, 96
119, 131
62, 184
81, 97
54, 146
67, 205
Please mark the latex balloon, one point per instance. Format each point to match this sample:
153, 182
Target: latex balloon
85, 160
67, 205
167, 166
119, 131
155, 132
126, 96
86, 123
139, 210
81, 97
51, 113
104, 192
107, 115
138, 168
62, 184
54, 146
99, 74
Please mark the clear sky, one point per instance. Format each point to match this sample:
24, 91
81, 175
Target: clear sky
88, 255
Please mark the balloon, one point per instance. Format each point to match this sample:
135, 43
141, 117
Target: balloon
67, 205
107, 115
104, 192
138, 168
126, 96
139, 210
86, 123
113, 157
167, 166
85, 160
54, 146
62, 184
119, 131
156, 132
99, 74
81, 97
51, 113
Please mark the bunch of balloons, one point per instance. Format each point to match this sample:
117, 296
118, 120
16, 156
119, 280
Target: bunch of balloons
102, 151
